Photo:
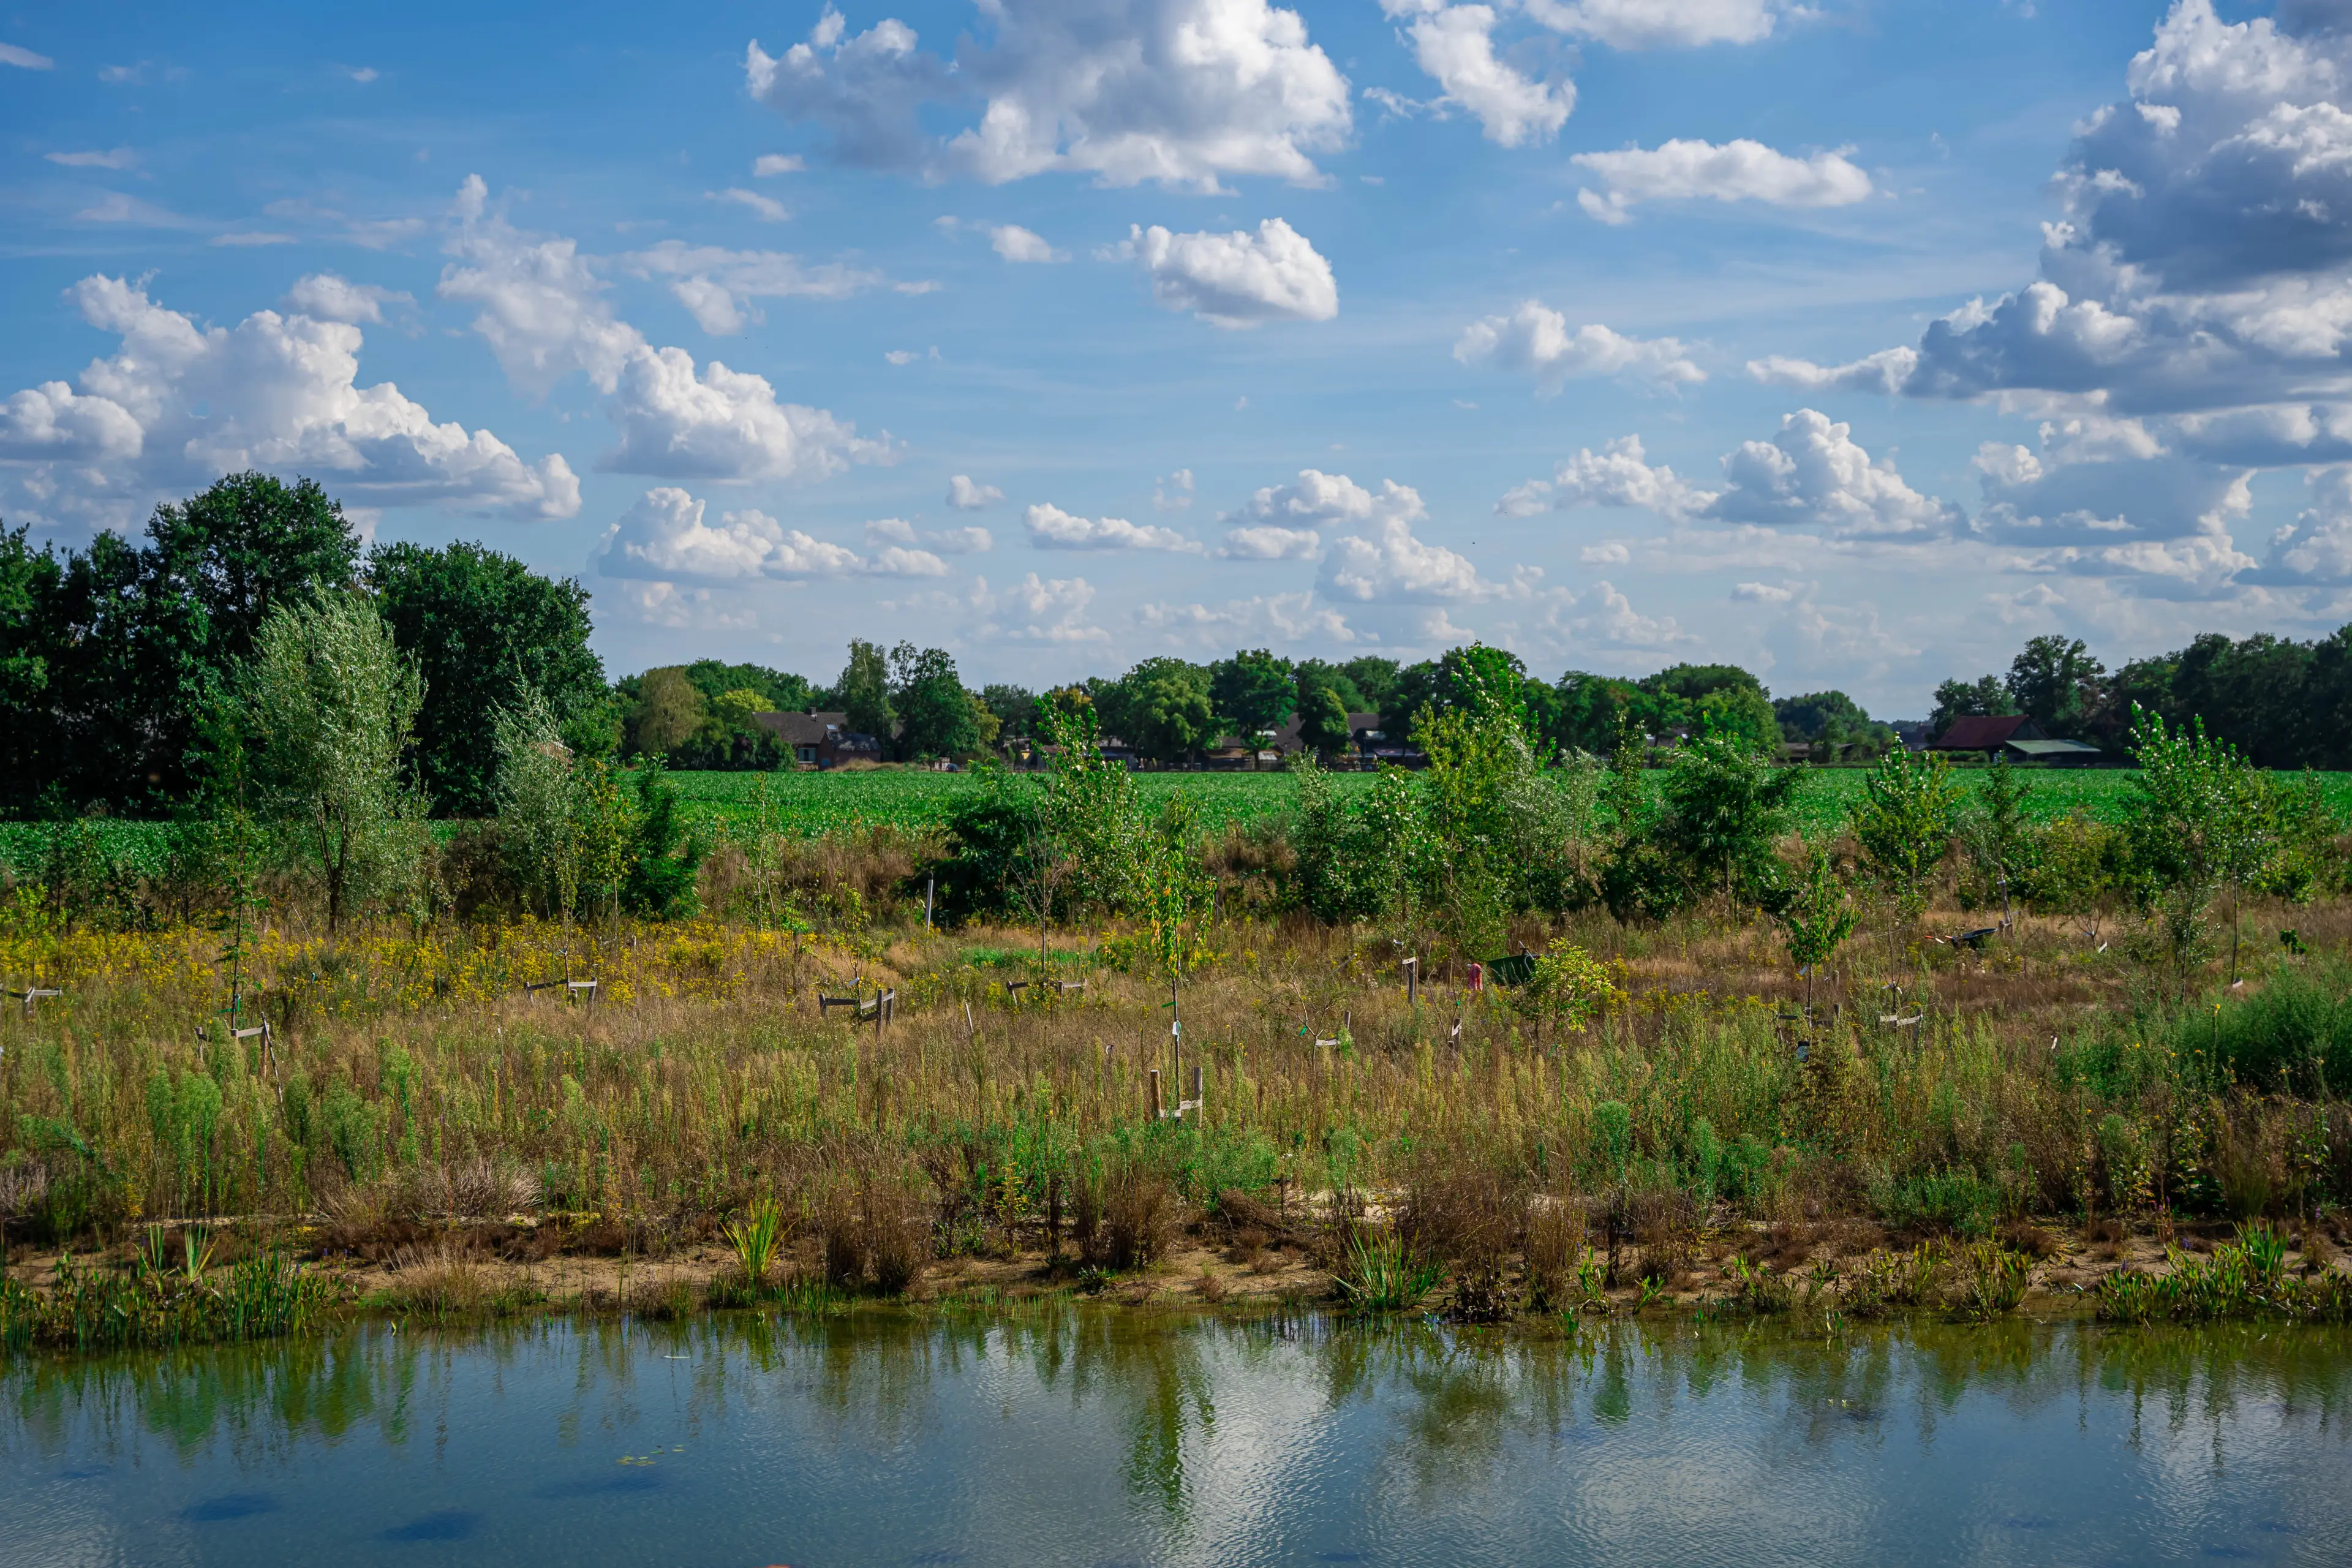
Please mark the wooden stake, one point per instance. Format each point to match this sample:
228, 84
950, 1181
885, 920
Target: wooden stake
1155, 1094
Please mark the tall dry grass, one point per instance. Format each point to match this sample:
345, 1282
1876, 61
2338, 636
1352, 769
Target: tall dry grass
408, 1076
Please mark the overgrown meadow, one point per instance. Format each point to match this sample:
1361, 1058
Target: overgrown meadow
1511, 1034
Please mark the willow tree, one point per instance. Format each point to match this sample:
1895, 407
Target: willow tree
329, 702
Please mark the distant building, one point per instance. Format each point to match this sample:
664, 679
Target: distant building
820, 740
2014, 735
1272, 748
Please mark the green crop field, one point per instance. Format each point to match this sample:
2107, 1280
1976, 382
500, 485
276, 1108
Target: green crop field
811, 805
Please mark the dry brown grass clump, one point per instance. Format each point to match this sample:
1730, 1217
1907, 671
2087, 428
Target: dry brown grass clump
1137, 1224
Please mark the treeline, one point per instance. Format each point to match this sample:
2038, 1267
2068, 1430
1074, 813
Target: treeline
122, 665
704, 715
2284, 704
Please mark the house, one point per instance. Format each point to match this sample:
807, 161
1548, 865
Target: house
820, 740
2013, 734
1378, 746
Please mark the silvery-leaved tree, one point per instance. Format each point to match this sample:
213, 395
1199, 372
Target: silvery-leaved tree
330, 703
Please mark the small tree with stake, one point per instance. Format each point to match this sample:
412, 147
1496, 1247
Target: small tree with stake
1909, 806
1816, 921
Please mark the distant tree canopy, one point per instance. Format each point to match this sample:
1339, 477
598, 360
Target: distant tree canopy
114, 658
483, 628
2283, 703
1253, 692
1830, 718
935, 717
120, 650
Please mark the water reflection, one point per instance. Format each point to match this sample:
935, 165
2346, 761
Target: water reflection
1091, 1435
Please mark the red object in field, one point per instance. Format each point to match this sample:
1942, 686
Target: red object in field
1477, 976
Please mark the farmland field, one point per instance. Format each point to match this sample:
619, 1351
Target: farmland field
811, 803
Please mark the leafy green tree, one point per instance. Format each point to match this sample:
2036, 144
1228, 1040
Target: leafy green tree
2057, 684
1477, 756
1955, 700
667, 713
1830, 718
28, 581
329, 700
1167, 715
783, 691
1324, 721
666, 856
1638, 879
1253, 692
928, 700
136, 642
1375, 679
1474, 677
246, 546
863, 692
2197, 818
1905, 821
1817, 921
1723, 809
1317, 675
1593, 709
1331, 873
1015, 708
2002, 842
482, 627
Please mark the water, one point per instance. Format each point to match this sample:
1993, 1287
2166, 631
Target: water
1090, 1437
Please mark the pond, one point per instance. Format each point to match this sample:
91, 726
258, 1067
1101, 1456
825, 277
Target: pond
1088, 1436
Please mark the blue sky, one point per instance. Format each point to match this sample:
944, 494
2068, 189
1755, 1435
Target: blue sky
1854, 341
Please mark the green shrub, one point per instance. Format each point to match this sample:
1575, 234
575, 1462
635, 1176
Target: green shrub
1958, 1201
2295, 1034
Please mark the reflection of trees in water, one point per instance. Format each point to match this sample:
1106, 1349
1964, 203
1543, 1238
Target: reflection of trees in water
1460, 1404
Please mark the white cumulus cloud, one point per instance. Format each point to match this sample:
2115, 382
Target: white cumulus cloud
1536, 341
177, 405
1456, 46
1015, 243
766, 208
1812, 475
1618, 475
1662, 24
664, 537
1050, 528
1183, 92
1236, 279
1887, 372
1735, 171
965, 496
109, 158
544, 314
717, 286
1372, 555
328, 297
893, 531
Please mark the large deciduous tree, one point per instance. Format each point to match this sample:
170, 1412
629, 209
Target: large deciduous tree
863, 692
484, 629
934, 713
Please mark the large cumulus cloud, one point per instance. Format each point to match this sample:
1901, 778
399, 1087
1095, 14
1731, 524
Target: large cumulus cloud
177, 405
